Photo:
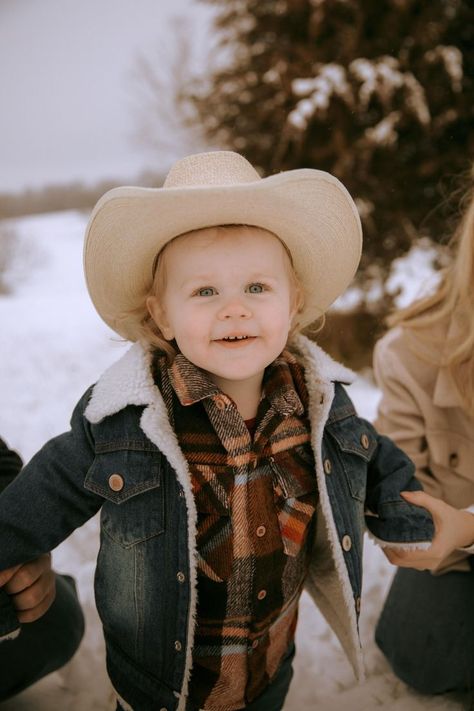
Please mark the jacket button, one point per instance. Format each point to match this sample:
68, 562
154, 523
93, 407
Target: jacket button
453, 459
163, 708
346, 543
178, 646
116, 482
181, 577
364, 440
327, 466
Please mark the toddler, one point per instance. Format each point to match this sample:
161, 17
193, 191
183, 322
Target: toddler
227, 460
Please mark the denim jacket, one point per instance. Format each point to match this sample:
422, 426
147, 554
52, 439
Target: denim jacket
122, 456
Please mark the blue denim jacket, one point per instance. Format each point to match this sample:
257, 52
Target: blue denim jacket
145, 582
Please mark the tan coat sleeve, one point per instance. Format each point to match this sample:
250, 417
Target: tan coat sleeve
400, 413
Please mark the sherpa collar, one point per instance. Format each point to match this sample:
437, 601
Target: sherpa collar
129, 380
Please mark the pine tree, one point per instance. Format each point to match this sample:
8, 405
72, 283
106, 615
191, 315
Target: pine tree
378, 92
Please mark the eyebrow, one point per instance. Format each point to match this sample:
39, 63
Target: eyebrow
209, 278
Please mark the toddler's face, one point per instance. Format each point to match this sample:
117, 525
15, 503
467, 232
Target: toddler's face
228, 301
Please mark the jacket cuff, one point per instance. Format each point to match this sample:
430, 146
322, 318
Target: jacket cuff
399, 524
9, 624
417, 546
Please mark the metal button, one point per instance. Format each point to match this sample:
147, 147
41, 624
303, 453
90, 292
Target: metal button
255, 644
364, 440
178, 646
453, 459
116, 482
262, 594
346, 543
261, 531
220, 402
181, 577
327, 466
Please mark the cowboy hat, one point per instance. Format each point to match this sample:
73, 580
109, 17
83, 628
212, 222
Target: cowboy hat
309, 210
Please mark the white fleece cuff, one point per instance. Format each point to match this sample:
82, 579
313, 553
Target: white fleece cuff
469, 549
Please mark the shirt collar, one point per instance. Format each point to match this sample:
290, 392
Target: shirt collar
283, 384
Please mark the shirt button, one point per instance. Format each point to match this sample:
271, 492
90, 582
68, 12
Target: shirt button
453, 459
262, 594
327, 466
220, 402
116, 482
261, 531
181, 577
346, 543
255, 644
364, 440
178, 646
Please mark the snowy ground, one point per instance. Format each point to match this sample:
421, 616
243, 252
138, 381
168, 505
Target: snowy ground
53, 346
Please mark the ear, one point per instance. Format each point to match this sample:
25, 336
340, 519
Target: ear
158, 314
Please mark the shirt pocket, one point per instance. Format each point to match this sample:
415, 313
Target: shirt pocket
214, 536
356, 445
295, 495
130, 480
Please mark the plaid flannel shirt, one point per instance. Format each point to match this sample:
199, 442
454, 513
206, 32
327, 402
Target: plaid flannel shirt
256, 499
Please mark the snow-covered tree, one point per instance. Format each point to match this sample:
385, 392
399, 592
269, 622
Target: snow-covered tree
378, 92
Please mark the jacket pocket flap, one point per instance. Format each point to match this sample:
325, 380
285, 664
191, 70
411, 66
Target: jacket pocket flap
121, 474
353, 439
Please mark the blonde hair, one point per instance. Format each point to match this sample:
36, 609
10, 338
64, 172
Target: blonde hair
453, 297
144, 327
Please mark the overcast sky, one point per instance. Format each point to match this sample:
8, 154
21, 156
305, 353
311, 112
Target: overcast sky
69, 106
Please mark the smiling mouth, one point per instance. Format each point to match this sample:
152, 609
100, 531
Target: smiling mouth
235, 340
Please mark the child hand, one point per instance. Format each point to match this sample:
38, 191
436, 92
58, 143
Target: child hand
32, 587
453, 529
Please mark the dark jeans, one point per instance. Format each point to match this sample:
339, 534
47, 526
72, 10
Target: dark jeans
426, 630
45, 645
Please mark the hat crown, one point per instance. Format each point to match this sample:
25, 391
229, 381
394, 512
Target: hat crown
214, 168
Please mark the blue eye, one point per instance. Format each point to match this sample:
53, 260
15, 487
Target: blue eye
256, 288
206, 291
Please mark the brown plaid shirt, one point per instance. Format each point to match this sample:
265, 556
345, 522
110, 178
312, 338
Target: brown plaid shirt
256, 499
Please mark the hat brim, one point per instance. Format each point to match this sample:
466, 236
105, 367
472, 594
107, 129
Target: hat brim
309, 210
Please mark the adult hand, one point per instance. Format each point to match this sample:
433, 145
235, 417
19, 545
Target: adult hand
453, 529
32, 587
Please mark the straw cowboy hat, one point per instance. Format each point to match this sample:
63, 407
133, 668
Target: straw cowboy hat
309, 210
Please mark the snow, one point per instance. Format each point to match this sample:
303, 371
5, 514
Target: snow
54, 345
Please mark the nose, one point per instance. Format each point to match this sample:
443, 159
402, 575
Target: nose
234, 309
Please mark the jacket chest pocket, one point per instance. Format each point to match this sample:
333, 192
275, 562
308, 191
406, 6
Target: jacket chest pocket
131, 483
355, 446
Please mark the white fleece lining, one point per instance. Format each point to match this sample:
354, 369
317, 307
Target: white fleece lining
317, 363
10, 635
129, 382
416, 546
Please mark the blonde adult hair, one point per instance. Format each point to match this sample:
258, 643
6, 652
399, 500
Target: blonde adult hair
454, 297
146, 330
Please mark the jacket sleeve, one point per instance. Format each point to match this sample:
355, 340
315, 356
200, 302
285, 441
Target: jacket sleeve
46, 502
10, 465
399, 415
390, 519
